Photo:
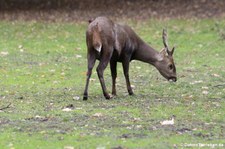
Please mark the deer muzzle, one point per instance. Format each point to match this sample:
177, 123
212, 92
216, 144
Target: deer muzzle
172, 79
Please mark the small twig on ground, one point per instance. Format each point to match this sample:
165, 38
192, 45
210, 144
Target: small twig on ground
219, 85
3, 108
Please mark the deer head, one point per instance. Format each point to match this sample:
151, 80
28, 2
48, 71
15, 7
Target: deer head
165, 63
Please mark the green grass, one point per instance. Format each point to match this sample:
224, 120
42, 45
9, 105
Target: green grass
44, 71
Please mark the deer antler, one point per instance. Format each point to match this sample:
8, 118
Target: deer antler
165, 42
164, 37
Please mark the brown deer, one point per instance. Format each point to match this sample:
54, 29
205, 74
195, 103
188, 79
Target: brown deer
111, 43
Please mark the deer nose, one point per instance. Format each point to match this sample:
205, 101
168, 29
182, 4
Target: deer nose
173, 79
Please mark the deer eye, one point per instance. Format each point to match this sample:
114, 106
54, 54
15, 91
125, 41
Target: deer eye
170, 67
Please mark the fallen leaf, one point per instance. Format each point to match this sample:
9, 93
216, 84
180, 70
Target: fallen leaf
52, 70
216, 75
55, 82
38, 116
205, 92
154, 128
136, 119
168, 122
139, 126
78, 56
196, 82
101, 147
4, 53
67, 109
76, 98
200, 45
20, 46
97, 115
78, 48
68, 147
42, 132
92, 80
205, 87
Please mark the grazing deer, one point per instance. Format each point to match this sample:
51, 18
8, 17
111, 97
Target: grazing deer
111, 43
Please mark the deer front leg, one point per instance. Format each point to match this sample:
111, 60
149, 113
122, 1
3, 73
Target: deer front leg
126, 74
113, 65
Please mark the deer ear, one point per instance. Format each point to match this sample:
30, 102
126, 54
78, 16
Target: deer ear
171, 52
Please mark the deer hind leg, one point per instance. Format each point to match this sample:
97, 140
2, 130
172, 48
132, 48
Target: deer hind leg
113, 65
91, 62
104, 60
126, 74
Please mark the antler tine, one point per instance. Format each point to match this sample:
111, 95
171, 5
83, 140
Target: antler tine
164, 37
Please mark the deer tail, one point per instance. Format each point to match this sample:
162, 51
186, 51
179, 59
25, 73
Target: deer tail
97, 43
98, 47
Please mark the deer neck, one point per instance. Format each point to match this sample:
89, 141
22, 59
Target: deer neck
147, 54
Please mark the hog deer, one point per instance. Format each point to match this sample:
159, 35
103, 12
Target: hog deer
111, 43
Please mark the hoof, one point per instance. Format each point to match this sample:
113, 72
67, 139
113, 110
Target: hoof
85, 98
131, 93
108, 97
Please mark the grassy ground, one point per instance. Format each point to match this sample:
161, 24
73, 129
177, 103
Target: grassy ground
42, 72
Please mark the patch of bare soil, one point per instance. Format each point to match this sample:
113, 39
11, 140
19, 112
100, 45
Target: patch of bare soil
82, 10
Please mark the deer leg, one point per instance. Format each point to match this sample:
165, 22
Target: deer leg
91, 62
113, 65
126, 74
100, 70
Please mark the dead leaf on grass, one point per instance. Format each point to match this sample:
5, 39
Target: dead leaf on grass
97, 115
4, 53
21, 48
92, 80
216, 75
139, 126
101, 147
205, 87
68, 147
187, 96
136, 119
196, 82
76, 98
168, 122
68, 108
205, 92
78, 56
78, 48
